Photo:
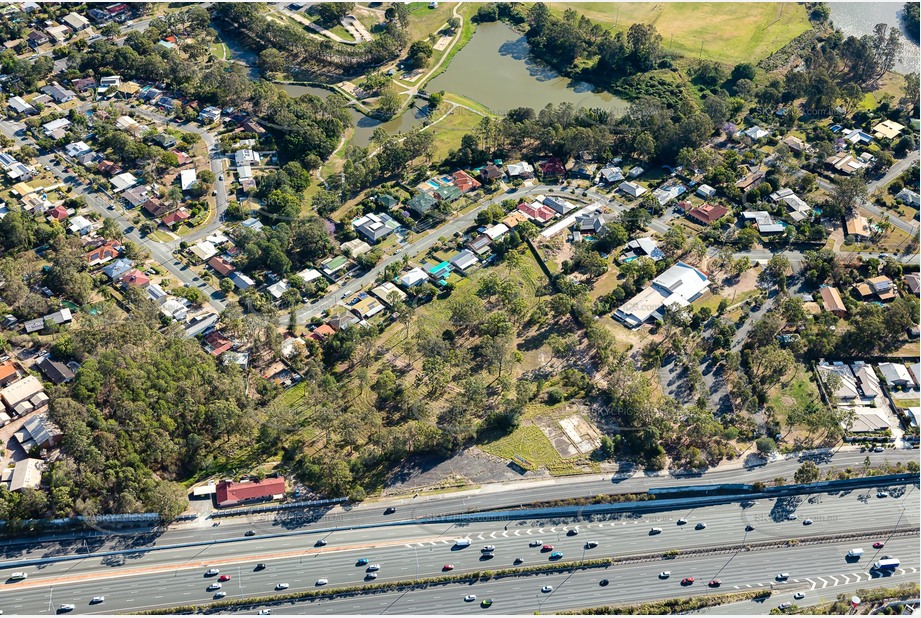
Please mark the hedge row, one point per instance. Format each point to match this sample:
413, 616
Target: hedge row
672, 606
842, 604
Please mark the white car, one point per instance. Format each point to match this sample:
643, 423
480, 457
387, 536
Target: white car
373, 567
799, 595
264, 612
19, 575
322, 581
807, 522
547, 589
665, 574
220, 595
792, 516
281, 586
470, 597
66, 607
536, 543
215, 586
96, 600
211, 572
488, 548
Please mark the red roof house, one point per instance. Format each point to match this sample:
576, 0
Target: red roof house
176, 217
216, 343
104, 253
58, 213
229, 493
539, 212
708, 213
156, 207
322, 332
464, 181
222, 266
135, 278
552, 167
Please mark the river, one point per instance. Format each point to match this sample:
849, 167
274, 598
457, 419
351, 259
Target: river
496, 69
858, 19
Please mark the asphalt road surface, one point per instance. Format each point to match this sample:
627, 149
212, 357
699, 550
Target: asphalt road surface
406, 552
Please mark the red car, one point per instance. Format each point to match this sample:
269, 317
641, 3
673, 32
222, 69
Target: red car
224, 578
547, 548
448, 567
878, 545
714, 583
687, 581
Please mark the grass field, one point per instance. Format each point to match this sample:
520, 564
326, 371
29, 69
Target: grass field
794, 393
730, 33
424, 21
527, 441
448, 132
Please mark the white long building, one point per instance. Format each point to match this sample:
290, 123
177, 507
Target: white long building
679, 285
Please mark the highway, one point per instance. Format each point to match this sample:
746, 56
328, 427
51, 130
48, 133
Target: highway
406, 552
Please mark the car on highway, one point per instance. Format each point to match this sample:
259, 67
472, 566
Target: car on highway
220, 594
370, 575
212, 572
785, 605
547, 589
486, 603
97, 600
792, 517
224, 578
799, 595
214, 586
470, 597
603, 582
248, 532
653, 531
488, 548
807, 522
878, 545
547, 547
322, 581
362, 562
749, 528
448, 567
782, 577
682, 521
373, 567
700, 526
487, 555
518, 560
264, 612
714, 583
260, 566
281, 586
214, 192
320, 543
591, 545
573, 532
19, 575
665, 574
687, 581
882, 494
878, 449
390, 510
556, 555
66, 607
535, 543
129, 229
221, 177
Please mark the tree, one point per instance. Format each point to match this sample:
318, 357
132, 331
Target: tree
226, 285
808, 472
849, 194
110, 229
645, 145
435, 99
388, 103
272, 61
419, 53
775, 271
765, 445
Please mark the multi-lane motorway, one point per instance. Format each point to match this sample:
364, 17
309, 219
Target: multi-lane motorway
176, 576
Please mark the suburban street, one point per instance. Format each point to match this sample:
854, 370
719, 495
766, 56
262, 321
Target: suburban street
137, 580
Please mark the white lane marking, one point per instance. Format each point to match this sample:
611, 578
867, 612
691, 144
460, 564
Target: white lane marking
492, 535
517, 532
529, 531
834, 579
504, 533
824, 583
540, 530
811, 582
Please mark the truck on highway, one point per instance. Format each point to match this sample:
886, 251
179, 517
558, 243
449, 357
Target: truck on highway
887, 564
462, 543
857, 552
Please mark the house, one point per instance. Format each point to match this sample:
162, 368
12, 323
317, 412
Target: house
421, 203
110, 81
522, 169
80, 225
831, 301
706, 191
175, 308
479, 245
858, 227
165, 140
246, 157
136, 196
887, 129
440, 272
59, 33
387, 201
157, 207
278, 289
56, 371
58, 213
242, 281
447, 193
413, 277
387, 292
375, 226
176, 217
464, 260
611, 174
799, 209
551, 168
631, 188
755, 133
867, 380
665, 194
680, 285
750, 180
19, 106
209, 115
20, 391
514, 218
116, 269
322, 332
123, 181
593, 223
55, 127
8, 373
847, 389
129, 124
157, 294
230, 493
221, 266
187, 178
584, 171
558, 204
342, 321
642, 247
355, 247
497, 231
467, 183
537, 211
330, 266
77, 149
708, 213
252, 126
796, 144
907, 196
203, 250
216, 343
365, 306
882, 287
763, 221
36, 39
27, 474
76, 22
845, 163
489, 173
895, 374
82, 84
199, 324
913, 283
135, 279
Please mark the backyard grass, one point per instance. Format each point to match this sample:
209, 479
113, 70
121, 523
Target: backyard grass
797, 391
529, 442
907, 403
729, 33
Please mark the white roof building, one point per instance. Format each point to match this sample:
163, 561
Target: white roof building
413, 278
80, 225
187, 178
679, 285
77, 149
204, 250
496, 231
278, 288
632, 189
386, 290
356, 247
464, 260
706, 191
309, 274
123, 181
522, 168
895, 374
54, 125
246, 157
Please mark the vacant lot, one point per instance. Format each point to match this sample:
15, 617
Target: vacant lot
730, 33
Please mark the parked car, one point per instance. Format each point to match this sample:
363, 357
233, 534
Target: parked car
700, 526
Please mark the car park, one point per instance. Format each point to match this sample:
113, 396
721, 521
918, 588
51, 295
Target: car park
281, 586
547, 589
470, 597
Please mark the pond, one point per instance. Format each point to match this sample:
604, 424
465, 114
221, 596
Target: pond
496, 69
859, 18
